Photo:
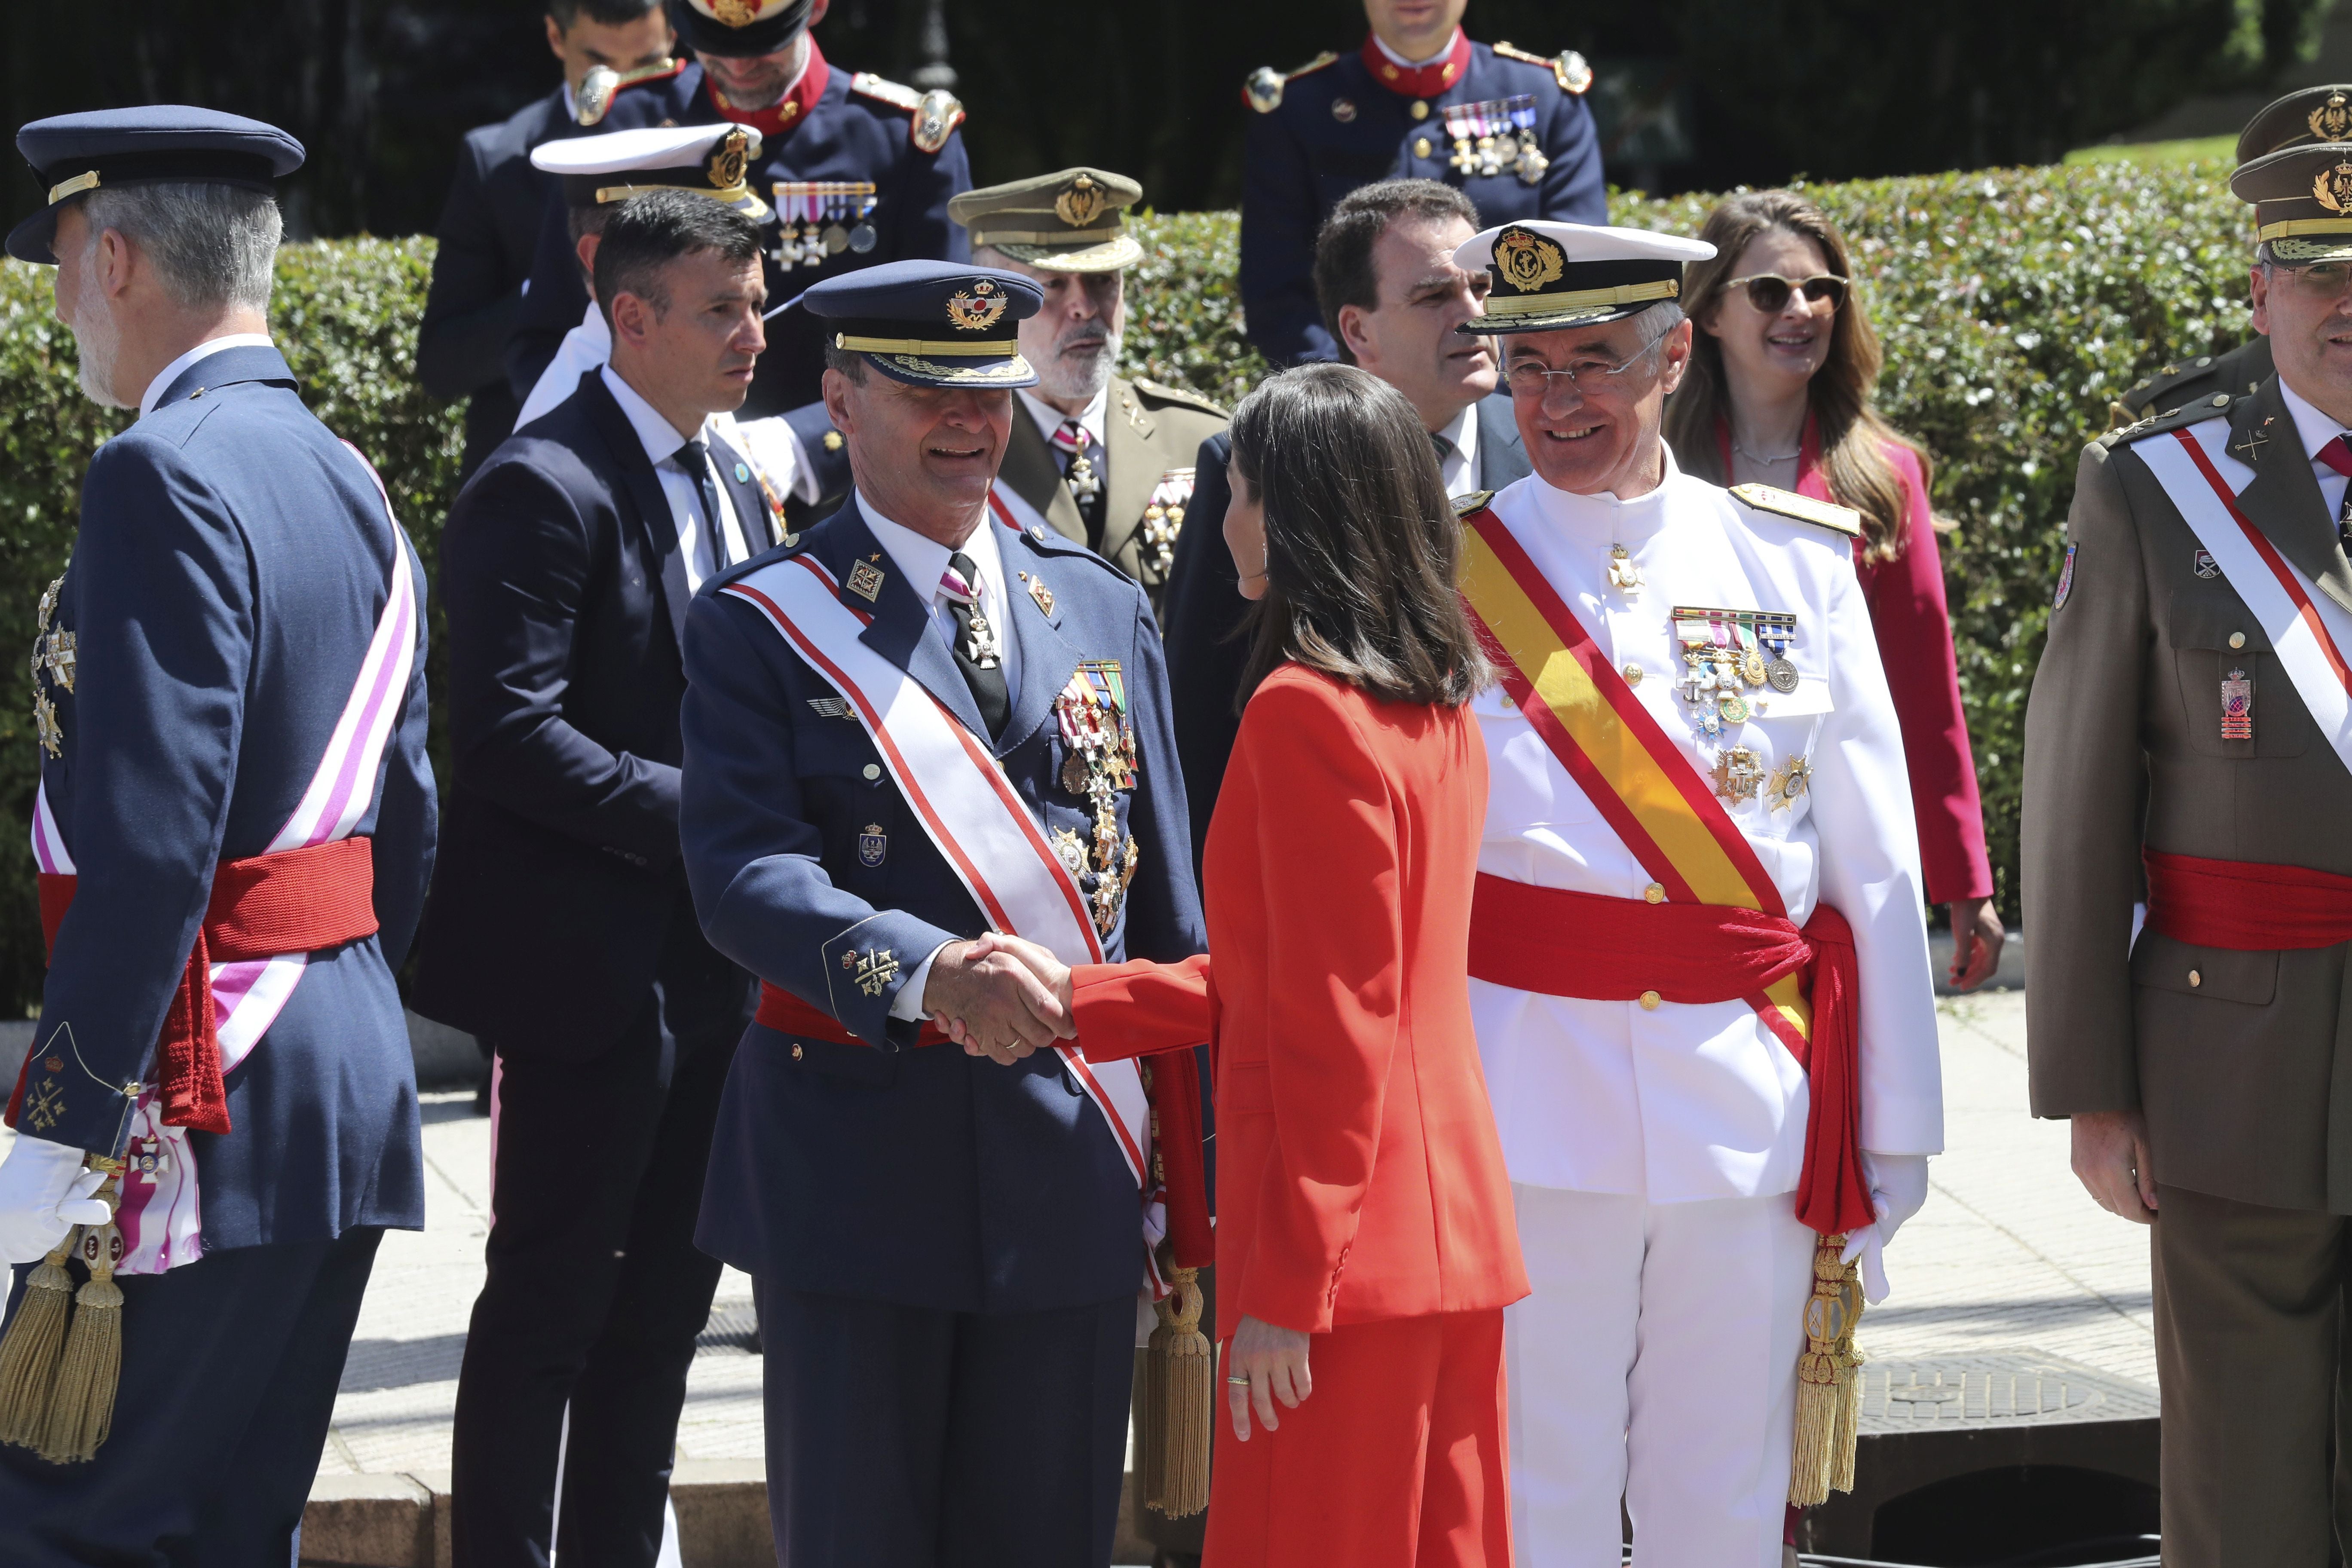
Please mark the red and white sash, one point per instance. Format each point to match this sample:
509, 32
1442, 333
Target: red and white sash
966, 804
2310, 633
161, 1218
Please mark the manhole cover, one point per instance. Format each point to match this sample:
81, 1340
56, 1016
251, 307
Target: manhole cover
1995, 1389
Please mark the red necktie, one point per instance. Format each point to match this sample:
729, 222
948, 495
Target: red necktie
2337, 455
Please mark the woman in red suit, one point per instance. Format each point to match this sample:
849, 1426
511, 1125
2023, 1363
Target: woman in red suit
1778, 393
1365, 1245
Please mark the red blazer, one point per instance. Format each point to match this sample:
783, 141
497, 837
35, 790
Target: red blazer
1914, 626
1360, 1176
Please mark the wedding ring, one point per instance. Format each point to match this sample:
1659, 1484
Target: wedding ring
1243, 1381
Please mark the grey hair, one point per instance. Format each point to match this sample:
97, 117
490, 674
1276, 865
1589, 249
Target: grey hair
213, 244
1658, 321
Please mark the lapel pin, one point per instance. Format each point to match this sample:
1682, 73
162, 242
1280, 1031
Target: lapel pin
1039, 592
865, 581
742, 473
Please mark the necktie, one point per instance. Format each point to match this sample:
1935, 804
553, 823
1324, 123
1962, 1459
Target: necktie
1444, 448
693, 456
977, 652
2337, 455
1076, 446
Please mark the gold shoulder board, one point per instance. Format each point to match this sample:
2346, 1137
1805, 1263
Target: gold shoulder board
1473, 503
895, 94
1180, 395
1804, 509
1567, 68
1263, 89
2194, 412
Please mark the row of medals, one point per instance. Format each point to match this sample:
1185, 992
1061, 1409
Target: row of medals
53, 660
1725, 660
1099, 761
1497, 137
817, 219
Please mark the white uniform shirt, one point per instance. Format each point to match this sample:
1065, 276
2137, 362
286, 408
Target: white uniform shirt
2316, 430
1048, 419
1698, 1101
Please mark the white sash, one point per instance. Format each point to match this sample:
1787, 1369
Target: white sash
162, 1217
966, 804
2308, 632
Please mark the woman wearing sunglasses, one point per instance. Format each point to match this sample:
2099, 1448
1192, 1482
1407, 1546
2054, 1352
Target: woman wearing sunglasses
1778, 393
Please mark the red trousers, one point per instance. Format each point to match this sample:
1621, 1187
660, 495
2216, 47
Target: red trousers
1397, 1460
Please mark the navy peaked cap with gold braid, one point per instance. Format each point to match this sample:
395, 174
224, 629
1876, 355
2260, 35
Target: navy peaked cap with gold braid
930, 323
150, 144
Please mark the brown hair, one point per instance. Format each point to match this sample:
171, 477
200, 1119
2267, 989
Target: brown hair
1361, 543
1851, 430
1344, 273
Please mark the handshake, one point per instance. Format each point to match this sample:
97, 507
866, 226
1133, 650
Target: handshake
999, 998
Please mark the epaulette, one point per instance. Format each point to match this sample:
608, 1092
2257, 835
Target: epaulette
936, 112
1263, 90
2189, 413
1567, 68
1180, 395
594, 100
1804, 509
1475, 502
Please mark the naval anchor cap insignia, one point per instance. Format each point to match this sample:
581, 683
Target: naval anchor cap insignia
1527, 261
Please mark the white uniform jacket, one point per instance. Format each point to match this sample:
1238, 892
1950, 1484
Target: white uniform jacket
1689, 1102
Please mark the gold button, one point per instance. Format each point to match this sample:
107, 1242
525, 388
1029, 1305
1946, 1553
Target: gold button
2237, 639
1656, 893
2195, 979
1650, 1001
796, 1053
1633, 674
874, 770
1420, 146
1421, 111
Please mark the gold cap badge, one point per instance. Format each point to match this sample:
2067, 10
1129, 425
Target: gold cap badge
1527, 261
2332, 121
1080, 204
978, 308
2332, 188
727, 159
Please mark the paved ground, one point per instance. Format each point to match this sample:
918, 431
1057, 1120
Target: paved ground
2009, 1253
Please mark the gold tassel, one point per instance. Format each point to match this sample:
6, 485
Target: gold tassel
1181, 1370
29, 1351
81, 1407
1828, 1381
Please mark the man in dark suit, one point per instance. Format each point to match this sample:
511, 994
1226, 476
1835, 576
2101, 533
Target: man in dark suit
490, 226
1391, 298
560, 929
913, 725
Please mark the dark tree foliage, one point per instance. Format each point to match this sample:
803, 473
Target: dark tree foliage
380, 90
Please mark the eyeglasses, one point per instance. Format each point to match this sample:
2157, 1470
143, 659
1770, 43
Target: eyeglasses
2321, 279
1769, 292
1532, 378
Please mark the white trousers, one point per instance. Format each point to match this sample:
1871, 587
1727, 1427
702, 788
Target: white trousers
1655, 1362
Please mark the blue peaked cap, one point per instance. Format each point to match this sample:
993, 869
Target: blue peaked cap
105, 148
930, 323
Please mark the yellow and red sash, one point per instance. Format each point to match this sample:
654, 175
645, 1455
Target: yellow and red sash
1801, 983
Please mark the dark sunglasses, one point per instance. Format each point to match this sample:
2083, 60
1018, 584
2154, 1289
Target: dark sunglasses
1769, 292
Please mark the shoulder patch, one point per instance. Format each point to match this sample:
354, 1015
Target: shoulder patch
1184, 396
1473, 503
936, 113
1568, 67
2195, 412
1804, 509
1263, 90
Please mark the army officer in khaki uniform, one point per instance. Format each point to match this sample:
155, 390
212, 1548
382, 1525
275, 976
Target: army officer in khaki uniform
2189, 748
1102, 459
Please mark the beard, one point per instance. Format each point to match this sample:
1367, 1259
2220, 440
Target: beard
1079, 366
97, 338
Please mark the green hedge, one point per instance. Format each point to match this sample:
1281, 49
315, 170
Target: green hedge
2014, 304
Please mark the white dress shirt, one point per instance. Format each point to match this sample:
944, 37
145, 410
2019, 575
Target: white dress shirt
1460, 467
1693, 1101
1090, 419
922, 561
705, 556
2316, 430
205, 350
1415, 65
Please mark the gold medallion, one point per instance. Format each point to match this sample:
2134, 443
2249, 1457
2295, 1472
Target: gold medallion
2332, 121
1738, 774
725, 170
1751, 666
1080, 204
978, 308
1528, 260
1788, 780
45, 725
736, 13
2332, 188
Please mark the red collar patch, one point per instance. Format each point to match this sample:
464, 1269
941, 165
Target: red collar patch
778, 119
1419, 81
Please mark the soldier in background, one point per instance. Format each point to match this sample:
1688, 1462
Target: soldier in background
2190, 725
1419, 100
490, 226
1101, 459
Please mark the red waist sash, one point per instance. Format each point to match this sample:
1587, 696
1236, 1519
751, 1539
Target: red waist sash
1601, 949
2246, 906
787, 1014
297, 900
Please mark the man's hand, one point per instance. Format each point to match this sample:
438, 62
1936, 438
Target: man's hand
2111, 1161
1004, 1013
1264, 1363
44, 1194
1051, 972
1977, 938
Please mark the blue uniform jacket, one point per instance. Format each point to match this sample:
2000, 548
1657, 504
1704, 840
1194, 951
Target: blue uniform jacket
923, 1177
1300, 158
845, 136
233, 558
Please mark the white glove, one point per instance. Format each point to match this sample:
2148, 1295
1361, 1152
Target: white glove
44, 1194
1898, 1186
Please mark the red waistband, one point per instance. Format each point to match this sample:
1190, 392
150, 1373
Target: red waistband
787, 1014
1599, 949
297, 900
2245, 905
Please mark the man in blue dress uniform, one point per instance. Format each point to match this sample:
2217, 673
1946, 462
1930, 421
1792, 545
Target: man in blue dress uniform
1418, 100
908, 726
229, 697
860, 171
